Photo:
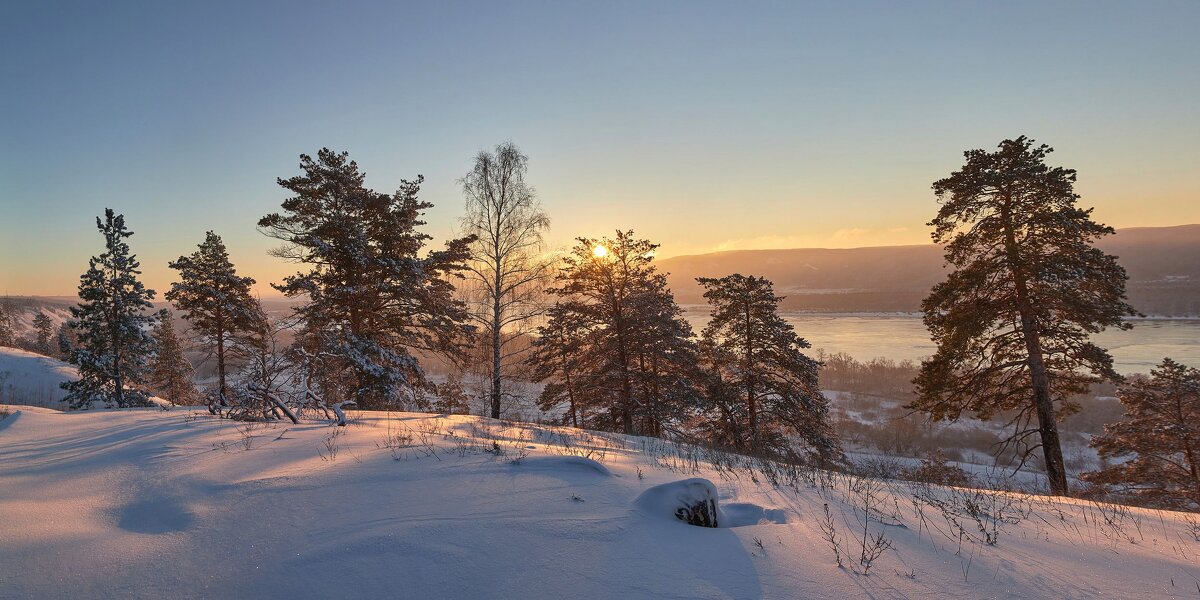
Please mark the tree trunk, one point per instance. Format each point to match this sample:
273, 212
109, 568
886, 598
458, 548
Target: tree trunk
496, 354
221, 367
114, 332
1056, 471
1043, 401
750, 398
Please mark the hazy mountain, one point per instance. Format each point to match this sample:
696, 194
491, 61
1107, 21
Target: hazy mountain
1163, 265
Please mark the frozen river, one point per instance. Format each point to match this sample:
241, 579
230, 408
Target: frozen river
902, 337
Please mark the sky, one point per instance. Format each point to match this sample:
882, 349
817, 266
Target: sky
702, 126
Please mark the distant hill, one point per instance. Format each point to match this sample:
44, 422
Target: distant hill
1163, 265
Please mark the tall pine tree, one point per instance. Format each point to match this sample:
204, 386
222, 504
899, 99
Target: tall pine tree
111, 322
370, 298
761, 362
216, 301
1013, 321
171, 374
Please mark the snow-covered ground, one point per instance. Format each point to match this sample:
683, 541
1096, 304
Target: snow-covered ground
150, 504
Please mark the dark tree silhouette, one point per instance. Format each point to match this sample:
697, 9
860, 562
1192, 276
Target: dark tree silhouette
1158, 440
759, 358
619, 325
1012, 321
170, 376
43, 334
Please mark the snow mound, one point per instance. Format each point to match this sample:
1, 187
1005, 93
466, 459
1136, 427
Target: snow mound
696, 502
563, 464
693, 501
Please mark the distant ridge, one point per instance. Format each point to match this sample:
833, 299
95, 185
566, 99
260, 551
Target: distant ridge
1163, 265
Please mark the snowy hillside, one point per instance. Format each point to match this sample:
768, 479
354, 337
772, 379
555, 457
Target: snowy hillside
24, 309
32, 379
146, 504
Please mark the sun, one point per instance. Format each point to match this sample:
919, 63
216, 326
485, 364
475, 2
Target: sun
599, 251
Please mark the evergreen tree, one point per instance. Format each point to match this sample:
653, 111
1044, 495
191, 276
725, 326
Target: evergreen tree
370, 299
1012, 322
215, 300
66, 340
171, 374
43, 334
506, 271
633, 348
558, 360
8, 329
111, 321
759, 358
1158, 441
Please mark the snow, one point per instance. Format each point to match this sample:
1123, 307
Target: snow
146, 503
28, 378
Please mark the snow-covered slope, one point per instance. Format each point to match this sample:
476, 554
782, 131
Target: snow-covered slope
33, 379
30, 379
152, 504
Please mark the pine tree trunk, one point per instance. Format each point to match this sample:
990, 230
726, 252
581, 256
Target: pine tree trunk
221, 367
1056, 471
626, 387
750, 398
114, 331
1043, 401
571, 398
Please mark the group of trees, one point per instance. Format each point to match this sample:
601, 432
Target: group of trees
601, 330
618, 354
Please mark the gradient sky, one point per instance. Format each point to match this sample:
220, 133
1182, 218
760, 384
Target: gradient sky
702, 126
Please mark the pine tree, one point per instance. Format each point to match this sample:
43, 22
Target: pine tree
761, 363
1158, 439
8, 329
66, 340
370, 299
558, 360
215, 300
171, 374
111, 322
506, 271
43, 334
636, 360
1012, 322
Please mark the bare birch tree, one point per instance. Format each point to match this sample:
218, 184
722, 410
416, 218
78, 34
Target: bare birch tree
507, 268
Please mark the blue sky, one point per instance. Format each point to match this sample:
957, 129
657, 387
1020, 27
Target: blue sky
700, 125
